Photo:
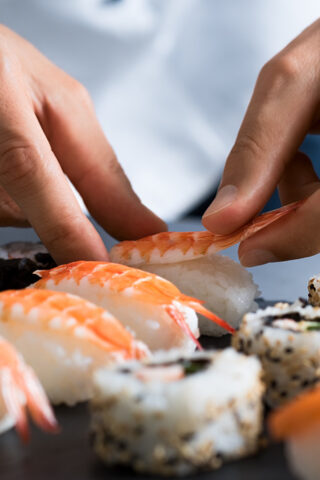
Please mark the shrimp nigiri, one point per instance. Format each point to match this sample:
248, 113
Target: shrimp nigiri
189, 260
64, 338
158, 313
20, 388
173, 247
298, 423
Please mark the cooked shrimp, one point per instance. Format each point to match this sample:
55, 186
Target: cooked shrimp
298, 423
173, 247
153, 307
297, 416
64, 338
20, 388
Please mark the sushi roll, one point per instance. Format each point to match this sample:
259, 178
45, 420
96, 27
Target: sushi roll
64, 338
314, 290
187, 259
298, 424
175, 415
150, 306
20, 389
34, 251
286, 338
18, 261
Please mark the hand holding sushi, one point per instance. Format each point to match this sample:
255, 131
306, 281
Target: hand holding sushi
283, 109
48, 128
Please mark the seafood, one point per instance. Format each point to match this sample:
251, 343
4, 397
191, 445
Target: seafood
64, 338
189, 260
286, 338
173, 414
158, 313
173, 247
298, 423
224, 285
20, 388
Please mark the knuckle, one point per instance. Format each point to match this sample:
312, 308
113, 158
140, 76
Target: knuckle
80, 92
18, 163
284, 67
245, 144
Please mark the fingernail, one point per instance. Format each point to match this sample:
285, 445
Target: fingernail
224, 198
257, 257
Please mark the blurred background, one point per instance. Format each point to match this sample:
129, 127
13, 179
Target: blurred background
170, 79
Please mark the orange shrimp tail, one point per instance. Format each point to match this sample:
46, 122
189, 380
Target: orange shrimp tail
297, 416
12, 401
211, 316
38, 404
264, 220
178, 318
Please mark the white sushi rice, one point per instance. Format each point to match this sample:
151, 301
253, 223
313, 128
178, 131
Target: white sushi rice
290, 354
224, 285
178, 426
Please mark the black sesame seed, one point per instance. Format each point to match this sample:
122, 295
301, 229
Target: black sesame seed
288, 350
303, 301
258, 334
108, 438
305, 383
138, 430
186, 437
122, 445
312, 287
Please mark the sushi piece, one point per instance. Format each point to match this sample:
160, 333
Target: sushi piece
298, 424
172, 247
20, 389
177, 414
34, 251
187, 260
18, 261
286, 338
159, 314
314, 290
64, 338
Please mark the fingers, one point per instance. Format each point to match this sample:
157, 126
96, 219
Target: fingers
281, 111
299, 180
32, 177
295, 236
90, 163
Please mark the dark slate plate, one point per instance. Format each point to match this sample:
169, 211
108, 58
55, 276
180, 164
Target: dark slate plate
68, 454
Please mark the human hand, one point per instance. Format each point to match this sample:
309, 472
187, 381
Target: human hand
47, 128
285, 106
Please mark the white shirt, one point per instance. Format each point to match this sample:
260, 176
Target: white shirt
170, 79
